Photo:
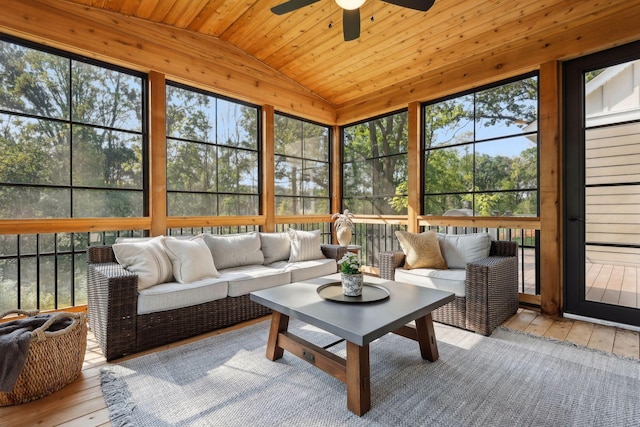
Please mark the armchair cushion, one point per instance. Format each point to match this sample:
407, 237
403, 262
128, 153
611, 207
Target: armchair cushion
451, 280
421, 250
459, 250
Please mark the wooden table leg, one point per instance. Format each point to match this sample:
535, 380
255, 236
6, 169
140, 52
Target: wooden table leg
426, 337
279, 323
358, 380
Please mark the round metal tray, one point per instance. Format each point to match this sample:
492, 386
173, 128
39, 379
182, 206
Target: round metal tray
370, 293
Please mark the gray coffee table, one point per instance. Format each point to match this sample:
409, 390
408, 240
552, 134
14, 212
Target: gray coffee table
358, 324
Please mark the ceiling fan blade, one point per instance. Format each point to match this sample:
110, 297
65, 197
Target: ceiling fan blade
421, 5
351, 24
291, 5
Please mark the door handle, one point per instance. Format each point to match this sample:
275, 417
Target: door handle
576, 219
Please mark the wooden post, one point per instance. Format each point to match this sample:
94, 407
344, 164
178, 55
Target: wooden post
336, 173
268, 167
550, 190
158, 154
414, 166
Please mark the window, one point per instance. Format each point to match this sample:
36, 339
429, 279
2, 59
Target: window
481, 152
374, 164
212, 155
72, 144
72, 136
301, 167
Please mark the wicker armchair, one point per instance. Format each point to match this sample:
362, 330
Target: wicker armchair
491, 285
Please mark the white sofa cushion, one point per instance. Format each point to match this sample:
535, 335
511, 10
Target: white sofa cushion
305, 245
460, 249
304, 270
275, 247
191, 259
147, 259
451, 280
234, 250
169, 296
249, 278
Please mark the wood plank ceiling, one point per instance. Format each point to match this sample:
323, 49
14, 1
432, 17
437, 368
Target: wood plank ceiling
399, 46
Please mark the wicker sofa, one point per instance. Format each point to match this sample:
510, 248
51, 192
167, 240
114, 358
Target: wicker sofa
126, 319
489, 291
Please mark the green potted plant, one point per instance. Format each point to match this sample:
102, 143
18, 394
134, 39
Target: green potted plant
344, 226
351, 277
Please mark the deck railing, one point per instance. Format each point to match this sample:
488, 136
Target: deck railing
48, 271
379, 236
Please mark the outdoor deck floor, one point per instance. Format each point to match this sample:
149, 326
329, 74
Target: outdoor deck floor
611, 284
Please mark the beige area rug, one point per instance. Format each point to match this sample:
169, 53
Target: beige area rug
508, 379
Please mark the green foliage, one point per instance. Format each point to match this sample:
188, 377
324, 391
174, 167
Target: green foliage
376, 165
490, 183
41, 149
301, 168
212, 155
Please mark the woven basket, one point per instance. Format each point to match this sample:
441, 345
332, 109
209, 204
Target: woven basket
54, 358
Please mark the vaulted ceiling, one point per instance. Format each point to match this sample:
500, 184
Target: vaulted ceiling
400, 48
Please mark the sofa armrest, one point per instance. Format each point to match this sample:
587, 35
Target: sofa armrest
491, 292
112, 303
389, 261
333, 251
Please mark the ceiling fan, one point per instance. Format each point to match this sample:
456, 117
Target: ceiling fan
351, 11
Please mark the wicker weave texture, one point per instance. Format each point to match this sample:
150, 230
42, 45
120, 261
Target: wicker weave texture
54, 360
164, 327
112, 299
492, 292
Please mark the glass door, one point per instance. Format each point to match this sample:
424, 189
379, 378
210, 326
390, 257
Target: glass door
602, 185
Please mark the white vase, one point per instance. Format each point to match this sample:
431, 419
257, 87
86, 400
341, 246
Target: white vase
352, 284
344, 236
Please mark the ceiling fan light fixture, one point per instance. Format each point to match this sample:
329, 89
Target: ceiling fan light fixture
350, 4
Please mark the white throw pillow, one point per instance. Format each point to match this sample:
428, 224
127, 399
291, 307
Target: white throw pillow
305, 245
191, 259
460, 249
234, 250
146, 259
275, 247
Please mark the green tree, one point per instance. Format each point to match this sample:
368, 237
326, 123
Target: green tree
51, 90
61, 113
376, 165
301, 168
212, 154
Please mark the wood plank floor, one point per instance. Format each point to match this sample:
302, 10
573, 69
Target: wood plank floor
81, 402
613, 284
606, 283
